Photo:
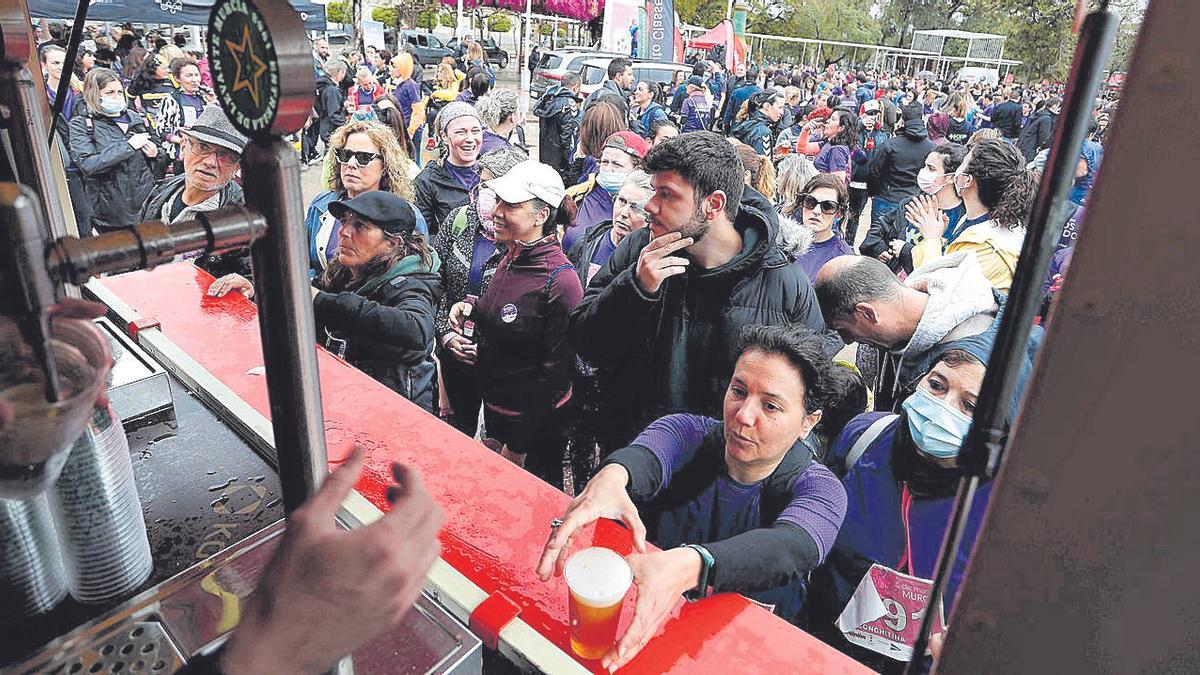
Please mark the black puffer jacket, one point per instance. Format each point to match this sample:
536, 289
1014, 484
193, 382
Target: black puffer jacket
438, 194
558, 122
220, 264
883, 232
384, 327
116, 178
756, 132
1036, 134
674, 351
895, 166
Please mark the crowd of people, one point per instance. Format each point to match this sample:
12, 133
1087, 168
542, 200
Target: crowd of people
749, 312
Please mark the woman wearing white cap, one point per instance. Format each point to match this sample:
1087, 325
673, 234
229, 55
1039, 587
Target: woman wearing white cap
525, 360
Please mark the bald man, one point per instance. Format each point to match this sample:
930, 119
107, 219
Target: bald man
945, 300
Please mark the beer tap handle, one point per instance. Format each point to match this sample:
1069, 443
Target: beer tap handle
26, 291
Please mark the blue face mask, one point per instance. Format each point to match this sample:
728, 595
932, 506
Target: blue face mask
610, 181
938, 429
113, 106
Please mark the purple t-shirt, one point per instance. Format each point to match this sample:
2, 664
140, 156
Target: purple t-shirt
832, 158
727, 508
819, 254
467, 176
596, 207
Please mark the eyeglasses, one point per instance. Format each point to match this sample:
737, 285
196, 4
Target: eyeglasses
826, 206
621, 202
360, 157
224, 156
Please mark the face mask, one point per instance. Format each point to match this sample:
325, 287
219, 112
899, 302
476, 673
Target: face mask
936, 428
959, 185
927, 181
113, 106
610, 181
485, 204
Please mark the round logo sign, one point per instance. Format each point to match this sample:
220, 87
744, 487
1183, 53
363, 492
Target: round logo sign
508, 313
245, 68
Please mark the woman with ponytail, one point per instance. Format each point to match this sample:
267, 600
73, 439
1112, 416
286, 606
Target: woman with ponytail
998, 193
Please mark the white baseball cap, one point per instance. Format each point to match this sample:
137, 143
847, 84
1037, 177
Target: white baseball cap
530, 180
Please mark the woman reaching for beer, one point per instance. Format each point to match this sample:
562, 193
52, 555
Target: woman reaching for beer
738, 505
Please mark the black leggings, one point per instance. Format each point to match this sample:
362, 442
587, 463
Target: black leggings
462, 390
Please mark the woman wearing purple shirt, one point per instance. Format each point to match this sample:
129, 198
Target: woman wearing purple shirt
737, 506
821, 208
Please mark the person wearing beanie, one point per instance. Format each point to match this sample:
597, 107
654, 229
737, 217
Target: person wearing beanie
374, 304
446, 183
894, 168
622, 153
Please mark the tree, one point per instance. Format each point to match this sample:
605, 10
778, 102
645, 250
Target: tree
427, 18
1039, 33
337, 12
388, 16
701, 12
841, 20
500, 22
899, 18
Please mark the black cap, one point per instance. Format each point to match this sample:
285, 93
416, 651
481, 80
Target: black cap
389, 212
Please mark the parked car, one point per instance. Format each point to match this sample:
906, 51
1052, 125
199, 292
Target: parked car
494, 53
659, 72
426, 48
555, 64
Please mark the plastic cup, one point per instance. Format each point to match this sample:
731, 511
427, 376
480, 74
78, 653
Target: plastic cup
598, 580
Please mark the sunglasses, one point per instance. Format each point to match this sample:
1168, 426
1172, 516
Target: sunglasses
360, 157
826, 206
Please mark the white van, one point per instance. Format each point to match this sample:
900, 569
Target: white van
979, 75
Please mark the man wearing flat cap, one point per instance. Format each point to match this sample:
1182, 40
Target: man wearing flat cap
211, 152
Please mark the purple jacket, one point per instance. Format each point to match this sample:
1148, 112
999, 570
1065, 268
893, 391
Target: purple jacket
525, 358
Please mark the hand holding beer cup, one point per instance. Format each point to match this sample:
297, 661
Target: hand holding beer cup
604, 497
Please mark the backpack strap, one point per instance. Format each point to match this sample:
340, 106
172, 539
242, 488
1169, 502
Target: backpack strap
553, 274
866, 438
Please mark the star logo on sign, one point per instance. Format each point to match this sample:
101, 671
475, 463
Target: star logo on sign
250, 67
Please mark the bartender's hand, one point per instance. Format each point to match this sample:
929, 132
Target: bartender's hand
603, 497
458, 314
231, 282
327, 591
462, 349
661, 579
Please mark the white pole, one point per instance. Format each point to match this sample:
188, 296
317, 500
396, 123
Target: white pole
729, 10
523, 55
458, 23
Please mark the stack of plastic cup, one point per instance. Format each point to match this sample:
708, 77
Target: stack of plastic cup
32, 580
98, 515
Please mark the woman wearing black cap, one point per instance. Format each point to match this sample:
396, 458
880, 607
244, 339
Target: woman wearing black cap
375, 302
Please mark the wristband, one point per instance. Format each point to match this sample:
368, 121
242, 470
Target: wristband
702, 589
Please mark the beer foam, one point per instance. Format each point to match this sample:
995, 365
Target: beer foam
598, 576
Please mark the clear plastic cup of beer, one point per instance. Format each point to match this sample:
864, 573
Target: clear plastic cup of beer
598, 580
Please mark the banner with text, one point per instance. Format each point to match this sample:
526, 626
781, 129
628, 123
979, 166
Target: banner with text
660, 33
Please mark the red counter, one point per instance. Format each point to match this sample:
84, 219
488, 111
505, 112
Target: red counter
497, 515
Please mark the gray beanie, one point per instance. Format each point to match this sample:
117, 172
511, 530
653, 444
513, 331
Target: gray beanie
453, 111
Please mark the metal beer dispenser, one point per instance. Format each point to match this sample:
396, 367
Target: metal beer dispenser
74, 507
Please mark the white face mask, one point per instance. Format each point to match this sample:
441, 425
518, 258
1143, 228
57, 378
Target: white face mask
927, 181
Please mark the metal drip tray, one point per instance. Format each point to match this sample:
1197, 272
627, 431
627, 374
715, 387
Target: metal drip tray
194, 612
138, 647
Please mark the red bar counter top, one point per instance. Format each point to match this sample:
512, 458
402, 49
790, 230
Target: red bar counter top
497, 515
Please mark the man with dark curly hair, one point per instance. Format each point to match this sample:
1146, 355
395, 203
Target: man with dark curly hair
661, 318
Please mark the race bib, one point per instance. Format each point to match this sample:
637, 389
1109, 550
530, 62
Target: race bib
886, 610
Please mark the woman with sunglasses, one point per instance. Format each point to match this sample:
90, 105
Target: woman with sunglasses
467, 247
374, 303
363, 157
823, 207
